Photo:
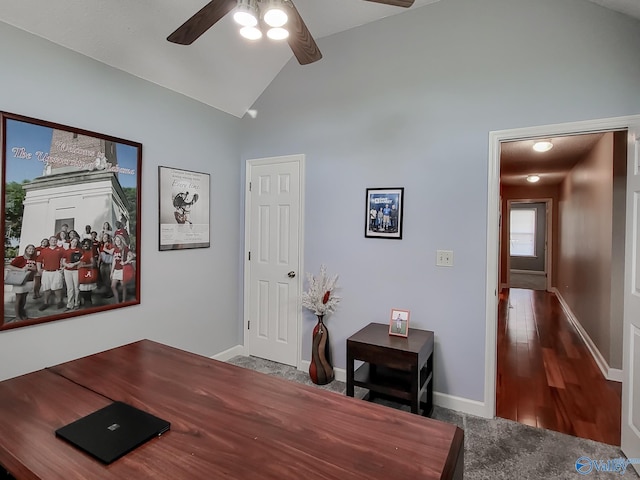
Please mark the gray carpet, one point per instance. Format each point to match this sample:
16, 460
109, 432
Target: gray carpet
495, 449
529, 281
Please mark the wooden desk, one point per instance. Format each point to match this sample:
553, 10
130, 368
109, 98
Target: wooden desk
395, 367
226, 422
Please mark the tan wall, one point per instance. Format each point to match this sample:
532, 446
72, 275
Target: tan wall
585, 244
526, 192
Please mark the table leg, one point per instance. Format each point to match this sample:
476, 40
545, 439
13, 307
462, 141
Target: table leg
350, 372
415, 389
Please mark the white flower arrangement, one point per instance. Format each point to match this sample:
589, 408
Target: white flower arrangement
319, 298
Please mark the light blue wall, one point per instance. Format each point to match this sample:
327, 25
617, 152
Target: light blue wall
409, 101
190, 299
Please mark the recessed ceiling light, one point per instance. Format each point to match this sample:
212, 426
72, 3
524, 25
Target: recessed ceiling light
533, 178
543, 146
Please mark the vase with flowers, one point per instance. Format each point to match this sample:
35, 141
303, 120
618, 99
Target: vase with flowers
321, 300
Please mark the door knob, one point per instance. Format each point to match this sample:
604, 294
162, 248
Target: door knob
291, 274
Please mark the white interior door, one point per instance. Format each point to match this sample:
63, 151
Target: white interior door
273, 231
631, 333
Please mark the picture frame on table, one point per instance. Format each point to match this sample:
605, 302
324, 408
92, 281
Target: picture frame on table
183, 203
384, 213
399, 322
66, 185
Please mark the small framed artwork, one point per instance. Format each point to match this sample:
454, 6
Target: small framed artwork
184, 209
399, 323
383, 213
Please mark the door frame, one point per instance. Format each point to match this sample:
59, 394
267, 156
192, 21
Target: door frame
300, 159
548, 237
493, 229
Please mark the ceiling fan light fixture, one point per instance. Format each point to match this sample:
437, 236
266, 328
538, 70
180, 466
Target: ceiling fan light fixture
246, 13
277, 33
543, 146
533, 178
274, 14
251, 33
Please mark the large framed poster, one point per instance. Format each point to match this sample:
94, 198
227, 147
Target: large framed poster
71, 221
184, 209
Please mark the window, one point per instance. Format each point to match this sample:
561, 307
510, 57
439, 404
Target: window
522, 237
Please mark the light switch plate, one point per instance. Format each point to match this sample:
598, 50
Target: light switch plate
444, 258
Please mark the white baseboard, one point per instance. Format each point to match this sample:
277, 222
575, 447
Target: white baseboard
613, 374
463, 405
230, 353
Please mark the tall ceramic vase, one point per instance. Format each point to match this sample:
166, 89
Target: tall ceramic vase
320, 370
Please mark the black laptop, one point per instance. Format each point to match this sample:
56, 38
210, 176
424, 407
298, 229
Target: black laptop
113, 431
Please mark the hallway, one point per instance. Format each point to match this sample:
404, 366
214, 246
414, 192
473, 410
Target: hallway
546, 376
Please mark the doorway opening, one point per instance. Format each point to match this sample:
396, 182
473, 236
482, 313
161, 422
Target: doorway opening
495, 243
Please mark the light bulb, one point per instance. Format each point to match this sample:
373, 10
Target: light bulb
245, 18
275, 17
251, 33
277, 33
543, 146
533, 178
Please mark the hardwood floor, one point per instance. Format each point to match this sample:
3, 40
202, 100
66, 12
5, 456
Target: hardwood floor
546, 376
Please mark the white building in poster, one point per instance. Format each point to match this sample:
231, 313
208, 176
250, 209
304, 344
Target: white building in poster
79, 186
76, 198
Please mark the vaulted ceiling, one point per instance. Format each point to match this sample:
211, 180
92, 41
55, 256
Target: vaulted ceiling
220, 68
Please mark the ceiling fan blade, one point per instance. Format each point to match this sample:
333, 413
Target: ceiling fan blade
300, 40
202, 21
395, 3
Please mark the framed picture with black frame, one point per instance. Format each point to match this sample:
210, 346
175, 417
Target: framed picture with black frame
384, 213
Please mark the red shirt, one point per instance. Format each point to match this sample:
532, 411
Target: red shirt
21, 262
118, 256
88, 258
50, 258
67, 255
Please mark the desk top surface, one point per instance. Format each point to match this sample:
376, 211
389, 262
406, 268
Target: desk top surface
378, 334
226, 422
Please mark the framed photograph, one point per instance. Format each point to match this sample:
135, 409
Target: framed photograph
399, 323
184, 209
71, 218
383, 215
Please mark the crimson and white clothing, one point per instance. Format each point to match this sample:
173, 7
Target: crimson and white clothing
118, 256
71, 257
51, 275
87, 258
28, 264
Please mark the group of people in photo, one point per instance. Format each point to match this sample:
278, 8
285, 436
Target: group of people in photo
384, 218
67, 270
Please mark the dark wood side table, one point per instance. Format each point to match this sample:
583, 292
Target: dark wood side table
395, 367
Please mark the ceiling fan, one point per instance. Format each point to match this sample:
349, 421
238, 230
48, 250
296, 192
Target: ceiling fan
299, 39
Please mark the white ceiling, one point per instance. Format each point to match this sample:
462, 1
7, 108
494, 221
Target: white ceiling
220, 68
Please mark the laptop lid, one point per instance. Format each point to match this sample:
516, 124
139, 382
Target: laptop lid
113, 431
